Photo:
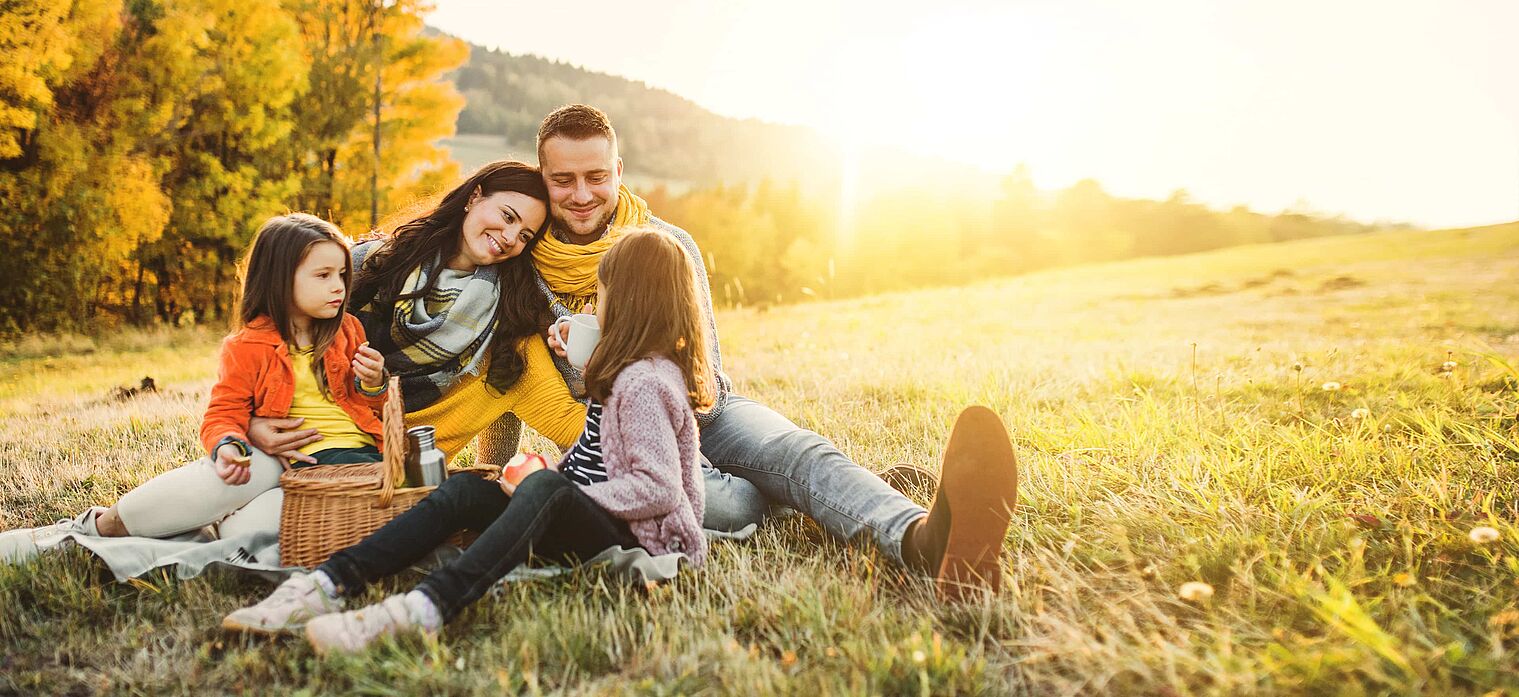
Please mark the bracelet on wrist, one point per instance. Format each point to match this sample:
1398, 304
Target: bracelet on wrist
243, 449
373, 391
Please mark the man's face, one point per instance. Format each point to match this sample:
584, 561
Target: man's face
582, 176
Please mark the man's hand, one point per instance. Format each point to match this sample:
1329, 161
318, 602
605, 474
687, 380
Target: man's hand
559, 332
232, 466
369, 366
277, 437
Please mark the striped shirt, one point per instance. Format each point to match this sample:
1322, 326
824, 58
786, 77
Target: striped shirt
582, 464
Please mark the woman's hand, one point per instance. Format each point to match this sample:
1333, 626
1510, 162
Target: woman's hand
369, 366
276, 437
231, 466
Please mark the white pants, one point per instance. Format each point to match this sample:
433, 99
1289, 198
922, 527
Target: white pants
192, 497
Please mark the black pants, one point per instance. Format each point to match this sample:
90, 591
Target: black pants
548, 517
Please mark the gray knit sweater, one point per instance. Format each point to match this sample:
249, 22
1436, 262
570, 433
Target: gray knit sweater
573, 376
651, 450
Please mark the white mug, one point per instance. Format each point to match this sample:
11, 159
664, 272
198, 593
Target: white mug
585, 331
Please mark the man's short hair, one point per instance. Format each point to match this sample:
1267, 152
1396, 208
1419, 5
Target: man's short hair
576, 122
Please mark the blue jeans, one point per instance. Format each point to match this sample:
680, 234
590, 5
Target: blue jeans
763, 458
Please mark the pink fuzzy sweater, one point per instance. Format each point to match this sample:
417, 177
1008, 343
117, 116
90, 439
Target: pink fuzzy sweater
651, 453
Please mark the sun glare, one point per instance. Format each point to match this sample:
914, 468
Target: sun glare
953, 87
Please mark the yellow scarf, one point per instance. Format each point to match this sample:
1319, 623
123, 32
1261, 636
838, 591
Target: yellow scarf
570, 269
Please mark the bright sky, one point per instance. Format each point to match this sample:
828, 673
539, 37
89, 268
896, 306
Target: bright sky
1380, 109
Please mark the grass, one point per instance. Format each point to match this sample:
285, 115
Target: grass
1172, 426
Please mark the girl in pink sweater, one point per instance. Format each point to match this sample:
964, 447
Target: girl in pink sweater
631, 480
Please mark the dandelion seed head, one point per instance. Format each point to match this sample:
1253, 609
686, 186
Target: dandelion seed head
1195, 592
1483, 534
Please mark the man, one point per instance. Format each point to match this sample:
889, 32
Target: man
752, 448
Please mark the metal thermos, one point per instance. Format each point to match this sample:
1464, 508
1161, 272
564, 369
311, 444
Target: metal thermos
424, 461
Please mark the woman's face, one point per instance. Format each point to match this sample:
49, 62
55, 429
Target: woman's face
498, 227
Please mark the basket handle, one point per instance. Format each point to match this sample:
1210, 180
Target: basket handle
394, 469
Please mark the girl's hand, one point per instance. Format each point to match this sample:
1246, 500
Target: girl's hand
232, 467
519, 468
369, 366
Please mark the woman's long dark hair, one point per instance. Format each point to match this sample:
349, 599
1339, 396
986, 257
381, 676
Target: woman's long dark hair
279, 247
521, 312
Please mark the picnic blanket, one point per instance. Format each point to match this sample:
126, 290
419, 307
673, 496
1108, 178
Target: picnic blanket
258, 553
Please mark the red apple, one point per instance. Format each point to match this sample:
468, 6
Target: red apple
520, 466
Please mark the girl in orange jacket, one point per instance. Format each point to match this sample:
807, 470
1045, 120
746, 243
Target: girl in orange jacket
297, 354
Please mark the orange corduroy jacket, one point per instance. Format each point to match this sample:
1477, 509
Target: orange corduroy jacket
255, 378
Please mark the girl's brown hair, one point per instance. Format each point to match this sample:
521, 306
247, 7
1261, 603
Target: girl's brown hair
522, 310
650, 308
268, 272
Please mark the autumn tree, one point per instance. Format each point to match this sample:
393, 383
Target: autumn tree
345, 42
78, 193
142, 142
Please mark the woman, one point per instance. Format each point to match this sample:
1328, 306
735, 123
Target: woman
449, 299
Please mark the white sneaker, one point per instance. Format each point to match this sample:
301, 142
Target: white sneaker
352, 631
21, 544
288, 608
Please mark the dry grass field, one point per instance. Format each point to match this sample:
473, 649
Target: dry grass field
1313, 430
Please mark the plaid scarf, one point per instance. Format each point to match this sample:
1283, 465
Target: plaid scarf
443, 335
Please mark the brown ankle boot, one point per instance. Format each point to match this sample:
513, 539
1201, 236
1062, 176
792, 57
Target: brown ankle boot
960, 542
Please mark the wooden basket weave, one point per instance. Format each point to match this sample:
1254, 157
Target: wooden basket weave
332, 507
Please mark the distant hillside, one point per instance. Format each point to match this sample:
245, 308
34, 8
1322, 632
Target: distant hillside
664, 136
822, 227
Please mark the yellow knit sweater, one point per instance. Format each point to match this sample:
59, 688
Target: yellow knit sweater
540, 398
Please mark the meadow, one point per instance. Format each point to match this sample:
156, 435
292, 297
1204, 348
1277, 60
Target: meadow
1318, 432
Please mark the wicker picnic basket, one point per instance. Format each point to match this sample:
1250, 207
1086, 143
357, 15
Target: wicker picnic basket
331, 507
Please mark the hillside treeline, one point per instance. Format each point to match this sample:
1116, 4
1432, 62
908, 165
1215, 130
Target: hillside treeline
143, 141
912, 221
670, 137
